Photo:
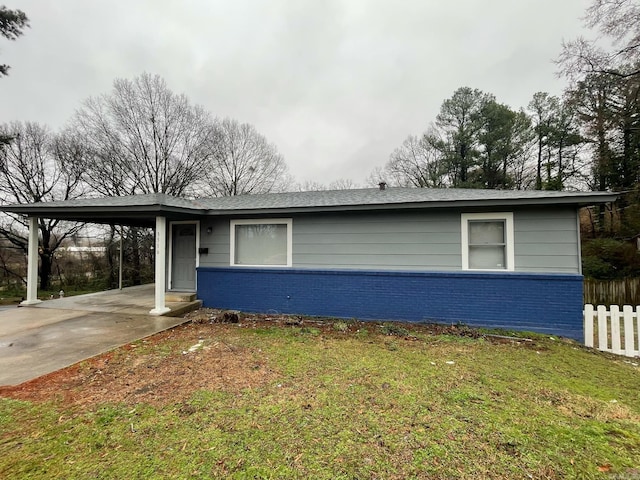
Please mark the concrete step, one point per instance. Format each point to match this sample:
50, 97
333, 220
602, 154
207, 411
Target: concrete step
182, 308
179, 297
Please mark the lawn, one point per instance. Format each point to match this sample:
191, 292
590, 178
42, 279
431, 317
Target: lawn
282, 398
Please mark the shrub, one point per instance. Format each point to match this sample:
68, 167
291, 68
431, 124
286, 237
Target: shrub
608, 258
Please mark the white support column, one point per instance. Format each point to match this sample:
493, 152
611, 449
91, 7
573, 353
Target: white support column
121, 259
161, 269
32, 264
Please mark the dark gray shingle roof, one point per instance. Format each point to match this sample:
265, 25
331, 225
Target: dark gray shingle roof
394, 198
142, 209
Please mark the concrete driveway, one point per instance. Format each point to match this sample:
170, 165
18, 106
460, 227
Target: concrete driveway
54, 334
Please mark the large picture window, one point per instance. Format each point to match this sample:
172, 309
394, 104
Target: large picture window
487, 241
261, 243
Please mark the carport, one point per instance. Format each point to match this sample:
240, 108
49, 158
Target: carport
149, 210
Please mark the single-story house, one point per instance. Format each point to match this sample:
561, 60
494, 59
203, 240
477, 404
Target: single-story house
494, 258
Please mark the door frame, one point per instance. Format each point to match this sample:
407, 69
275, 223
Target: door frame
170, 250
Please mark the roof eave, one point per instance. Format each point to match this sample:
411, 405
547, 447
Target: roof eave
139, 216
146, 213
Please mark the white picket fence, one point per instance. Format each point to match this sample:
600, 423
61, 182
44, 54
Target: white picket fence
612, 330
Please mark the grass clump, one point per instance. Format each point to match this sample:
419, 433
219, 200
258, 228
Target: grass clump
340, 326
393, 329
311, 331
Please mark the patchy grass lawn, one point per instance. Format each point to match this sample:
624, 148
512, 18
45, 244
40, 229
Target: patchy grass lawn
282, 398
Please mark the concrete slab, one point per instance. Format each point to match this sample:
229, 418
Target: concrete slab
40, 339
19, 319
136, 300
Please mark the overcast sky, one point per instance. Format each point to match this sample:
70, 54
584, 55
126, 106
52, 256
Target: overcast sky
337, 85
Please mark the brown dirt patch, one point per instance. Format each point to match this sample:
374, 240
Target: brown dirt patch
203, 354
157, 370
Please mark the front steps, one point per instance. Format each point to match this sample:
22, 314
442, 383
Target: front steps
179, 297
181, 303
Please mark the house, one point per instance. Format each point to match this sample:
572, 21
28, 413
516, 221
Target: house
494, 258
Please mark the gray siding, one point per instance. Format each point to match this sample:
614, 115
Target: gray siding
545, 241
407, 241
217, 242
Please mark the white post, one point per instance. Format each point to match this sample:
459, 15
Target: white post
32, 264
161, 242
120, 261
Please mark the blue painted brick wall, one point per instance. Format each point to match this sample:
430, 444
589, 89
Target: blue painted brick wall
547, 303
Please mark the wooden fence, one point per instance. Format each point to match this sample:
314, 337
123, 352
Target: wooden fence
612, 292
611, 330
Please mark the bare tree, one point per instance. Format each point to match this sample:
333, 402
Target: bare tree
35, 166
244, 162
416, 163
310, 186
313, 186
617, 21
343, 184
143, 138
377, 176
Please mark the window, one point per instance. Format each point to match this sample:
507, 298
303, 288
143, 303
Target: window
261, 243
487, 241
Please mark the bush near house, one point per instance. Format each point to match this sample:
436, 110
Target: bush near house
609, 258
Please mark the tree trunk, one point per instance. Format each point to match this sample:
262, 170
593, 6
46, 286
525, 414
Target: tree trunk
46, 258
539, 166
46, 261
602, 172
559, 183
627, 152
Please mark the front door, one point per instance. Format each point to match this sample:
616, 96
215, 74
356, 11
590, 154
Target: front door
183, 256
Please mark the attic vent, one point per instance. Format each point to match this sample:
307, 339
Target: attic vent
383, 185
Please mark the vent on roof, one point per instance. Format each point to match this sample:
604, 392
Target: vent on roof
383, 185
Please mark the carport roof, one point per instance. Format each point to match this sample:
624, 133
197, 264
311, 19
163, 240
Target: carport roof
135, 210
142, 209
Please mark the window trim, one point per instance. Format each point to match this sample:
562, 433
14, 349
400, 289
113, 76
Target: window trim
507, 217
261, 221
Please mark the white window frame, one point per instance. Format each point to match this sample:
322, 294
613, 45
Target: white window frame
262, 221
507, 217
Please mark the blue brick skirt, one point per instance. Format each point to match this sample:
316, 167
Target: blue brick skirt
544, 303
